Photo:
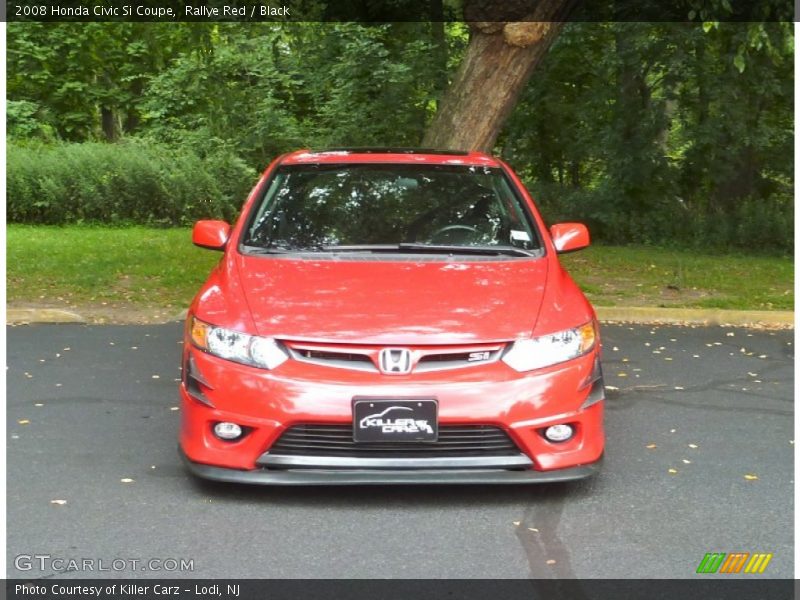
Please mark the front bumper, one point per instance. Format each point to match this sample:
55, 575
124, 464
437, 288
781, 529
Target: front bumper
382, 477
268, 403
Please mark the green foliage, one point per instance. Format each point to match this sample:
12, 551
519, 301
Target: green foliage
91, 76
268, 89
24, 120
666, 133
127, 182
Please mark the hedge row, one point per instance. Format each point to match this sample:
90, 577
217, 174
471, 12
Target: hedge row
130, 182
755, 225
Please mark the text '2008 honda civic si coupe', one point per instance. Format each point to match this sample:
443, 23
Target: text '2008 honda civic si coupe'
390, 316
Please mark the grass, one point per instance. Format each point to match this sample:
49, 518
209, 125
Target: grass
133, 267
645, 276
137, 268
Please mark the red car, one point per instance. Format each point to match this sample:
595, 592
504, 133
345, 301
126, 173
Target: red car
390, 316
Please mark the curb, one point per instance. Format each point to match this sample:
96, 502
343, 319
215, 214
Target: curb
607, 314
22, 316
696, 316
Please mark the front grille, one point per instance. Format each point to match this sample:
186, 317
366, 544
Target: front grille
332, 357
345, 360
366, 358
337, 441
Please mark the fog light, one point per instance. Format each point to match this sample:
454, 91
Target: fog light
227, 431
558, 433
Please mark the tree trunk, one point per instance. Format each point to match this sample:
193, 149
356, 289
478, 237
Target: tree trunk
108, 122
439, 47
132, 116
499, 60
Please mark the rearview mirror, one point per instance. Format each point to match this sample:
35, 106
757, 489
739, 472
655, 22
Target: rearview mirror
568, 237
211, 234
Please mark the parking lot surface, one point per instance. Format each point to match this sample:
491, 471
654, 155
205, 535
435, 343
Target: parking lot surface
699, 459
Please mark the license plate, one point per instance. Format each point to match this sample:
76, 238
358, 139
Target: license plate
401, 420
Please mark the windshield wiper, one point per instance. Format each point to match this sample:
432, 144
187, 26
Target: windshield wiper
359, 248
267, 249
389, 248
454, 249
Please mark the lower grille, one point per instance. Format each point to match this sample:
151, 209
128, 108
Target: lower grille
337, 441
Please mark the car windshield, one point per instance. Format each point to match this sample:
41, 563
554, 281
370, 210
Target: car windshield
385, 207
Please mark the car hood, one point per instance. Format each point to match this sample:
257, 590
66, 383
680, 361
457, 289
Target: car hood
393, 302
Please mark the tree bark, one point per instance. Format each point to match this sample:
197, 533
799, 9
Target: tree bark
500, 58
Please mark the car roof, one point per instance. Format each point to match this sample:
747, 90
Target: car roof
390, 155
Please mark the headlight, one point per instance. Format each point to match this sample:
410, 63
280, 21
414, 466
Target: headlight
238, 347
535, 353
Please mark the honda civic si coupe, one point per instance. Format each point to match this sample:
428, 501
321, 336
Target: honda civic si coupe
390, 316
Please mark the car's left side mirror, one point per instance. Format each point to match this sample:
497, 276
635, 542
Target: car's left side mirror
211, 234
568, 237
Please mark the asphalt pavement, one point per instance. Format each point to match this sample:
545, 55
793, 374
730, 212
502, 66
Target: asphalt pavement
699, 459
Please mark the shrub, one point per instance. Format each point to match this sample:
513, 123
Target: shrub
128, 182
755, 225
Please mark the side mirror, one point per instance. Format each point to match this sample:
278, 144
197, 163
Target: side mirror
211, 234
568, 237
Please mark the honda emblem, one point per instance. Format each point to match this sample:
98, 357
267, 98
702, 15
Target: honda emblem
395, 361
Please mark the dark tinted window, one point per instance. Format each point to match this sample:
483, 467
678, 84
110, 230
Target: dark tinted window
307, 207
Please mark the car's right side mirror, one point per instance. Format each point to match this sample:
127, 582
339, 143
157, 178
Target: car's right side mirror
568, 237
211, 234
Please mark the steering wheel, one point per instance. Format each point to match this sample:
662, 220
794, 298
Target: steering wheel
449, 228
